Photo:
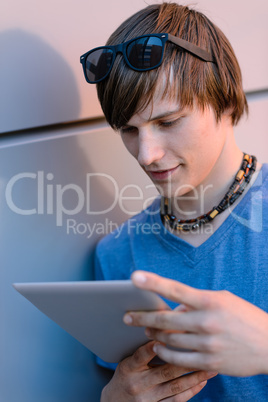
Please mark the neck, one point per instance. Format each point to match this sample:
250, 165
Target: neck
209, 193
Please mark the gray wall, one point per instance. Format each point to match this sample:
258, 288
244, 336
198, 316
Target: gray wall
64, 186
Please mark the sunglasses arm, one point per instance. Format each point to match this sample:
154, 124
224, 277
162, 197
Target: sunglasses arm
191, 48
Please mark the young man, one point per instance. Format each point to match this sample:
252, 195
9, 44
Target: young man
169, 81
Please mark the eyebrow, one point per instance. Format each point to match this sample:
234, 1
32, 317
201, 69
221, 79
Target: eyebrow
166, 114
160, 116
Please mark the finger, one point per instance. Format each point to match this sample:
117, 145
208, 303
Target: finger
181, 307
196, 342
202, 361
192, 321
154, 319
141, 357
188, 394
181, 384
164, 373
172, 290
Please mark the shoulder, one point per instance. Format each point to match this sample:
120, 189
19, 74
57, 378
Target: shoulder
252, 211
260, 186
263, 178
115, 253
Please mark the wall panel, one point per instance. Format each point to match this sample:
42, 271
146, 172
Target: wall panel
58, 195
251, 133
41, 42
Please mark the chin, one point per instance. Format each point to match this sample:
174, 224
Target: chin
174, 191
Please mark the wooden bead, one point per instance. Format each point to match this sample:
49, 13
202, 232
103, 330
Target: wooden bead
242, 178
214, 213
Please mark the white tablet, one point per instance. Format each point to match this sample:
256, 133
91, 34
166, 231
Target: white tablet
92, 312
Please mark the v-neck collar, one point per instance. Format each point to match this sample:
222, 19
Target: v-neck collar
195, 254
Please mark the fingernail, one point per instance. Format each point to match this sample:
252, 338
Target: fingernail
181, 307
155, 347
212, 373
147, 332
127, 319
139, 277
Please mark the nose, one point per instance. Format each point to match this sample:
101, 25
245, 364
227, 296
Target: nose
150, 148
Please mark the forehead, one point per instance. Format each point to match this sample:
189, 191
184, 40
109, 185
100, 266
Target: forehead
165, 100
157, 109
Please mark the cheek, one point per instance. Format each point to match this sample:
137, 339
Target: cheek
197, 150
204, 141
188, 143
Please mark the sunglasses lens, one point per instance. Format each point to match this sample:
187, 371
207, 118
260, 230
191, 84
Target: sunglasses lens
145, 53
98, 64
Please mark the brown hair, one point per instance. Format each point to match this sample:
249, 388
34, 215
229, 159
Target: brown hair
125, 92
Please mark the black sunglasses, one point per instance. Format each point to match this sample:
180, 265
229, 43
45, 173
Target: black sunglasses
141, 54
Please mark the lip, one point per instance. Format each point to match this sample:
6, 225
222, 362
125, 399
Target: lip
162, 174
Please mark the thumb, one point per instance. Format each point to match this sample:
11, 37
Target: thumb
143, 355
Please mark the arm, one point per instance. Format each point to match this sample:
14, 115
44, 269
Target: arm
135, 380
224, 332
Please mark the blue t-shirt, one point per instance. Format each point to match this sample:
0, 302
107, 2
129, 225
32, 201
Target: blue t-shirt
234, 258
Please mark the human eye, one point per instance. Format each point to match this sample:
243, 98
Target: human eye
169, 123
166, 123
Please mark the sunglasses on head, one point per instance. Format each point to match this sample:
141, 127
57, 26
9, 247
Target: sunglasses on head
143, 53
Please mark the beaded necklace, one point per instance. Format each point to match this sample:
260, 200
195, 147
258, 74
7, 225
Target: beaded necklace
241, 181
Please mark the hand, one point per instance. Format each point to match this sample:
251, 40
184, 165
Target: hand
135, 380
223, 332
